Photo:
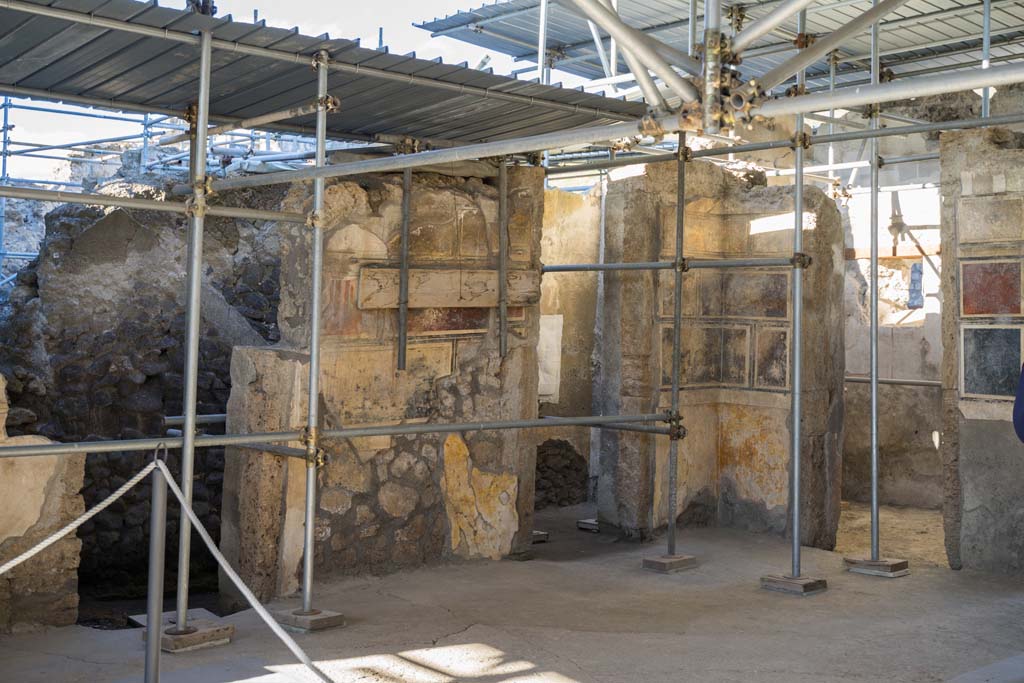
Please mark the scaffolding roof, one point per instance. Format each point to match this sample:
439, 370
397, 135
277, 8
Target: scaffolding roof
920, 35
65, 59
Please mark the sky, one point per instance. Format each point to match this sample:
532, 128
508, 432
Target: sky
340, 18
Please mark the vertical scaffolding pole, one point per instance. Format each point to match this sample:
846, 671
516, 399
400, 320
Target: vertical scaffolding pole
194, 316
798, 322
155, 584
875, 76
712, 66
543, 73
986, 54
613, 46
313, 409
833, 58
4, 175
503, 257
691, 29
677, 320
403, 273
144, 155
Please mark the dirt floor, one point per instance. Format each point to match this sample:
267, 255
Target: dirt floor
583, 611
906, 533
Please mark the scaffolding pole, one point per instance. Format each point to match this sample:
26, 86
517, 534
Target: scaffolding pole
403, 273
874, 168
503, 258
313, 453
155, 585
677, 323
194, 317
986, 55
797, 339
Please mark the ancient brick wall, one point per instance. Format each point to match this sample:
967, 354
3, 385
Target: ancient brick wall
391, 502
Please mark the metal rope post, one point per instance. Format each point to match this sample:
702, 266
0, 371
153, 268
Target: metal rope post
155, 585
194, 316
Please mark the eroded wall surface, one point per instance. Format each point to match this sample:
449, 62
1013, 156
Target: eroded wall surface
982, 323
571, 234
391, 502
734, 463
41, 495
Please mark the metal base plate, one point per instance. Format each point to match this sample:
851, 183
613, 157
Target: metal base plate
540, 536
793, 585
588, 525
885, 567
323, 619
669, 564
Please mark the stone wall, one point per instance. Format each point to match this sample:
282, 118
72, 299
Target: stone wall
982, 326
387, 503
568, 304
93, 348
42, 495
734, 462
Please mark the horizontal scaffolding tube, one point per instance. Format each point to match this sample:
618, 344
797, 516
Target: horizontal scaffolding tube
396, 430
131, 445
146, 204
923, 86
353, 432
535, 143
594, 267
854, 379
963, 124
694, 264
254, 122
213, 418
689, 264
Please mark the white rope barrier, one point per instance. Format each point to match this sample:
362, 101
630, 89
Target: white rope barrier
53, 538
248, 594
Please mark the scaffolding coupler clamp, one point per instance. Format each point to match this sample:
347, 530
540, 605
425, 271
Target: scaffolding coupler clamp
315, 456
676, 429
330, 103
879, 161
314, 220
682, 265
319, 58
687, 153
801, 261
649, 126
804, 40
801, 139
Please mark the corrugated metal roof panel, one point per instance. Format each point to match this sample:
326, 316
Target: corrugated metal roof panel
913, 34
76, 59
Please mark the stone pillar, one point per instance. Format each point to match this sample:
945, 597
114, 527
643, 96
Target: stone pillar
982, 323
734, 462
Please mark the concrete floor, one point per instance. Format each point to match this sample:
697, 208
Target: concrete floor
584, 611
913, 534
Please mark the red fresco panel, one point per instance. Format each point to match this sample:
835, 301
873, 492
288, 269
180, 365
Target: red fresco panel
991, 288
